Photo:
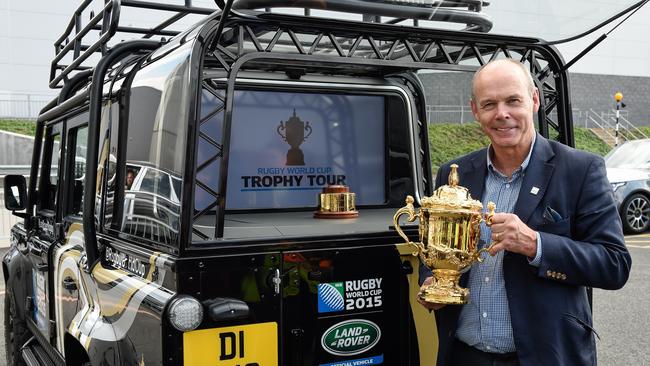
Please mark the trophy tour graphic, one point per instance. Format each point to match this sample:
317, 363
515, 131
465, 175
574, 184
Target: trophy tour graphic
294, 132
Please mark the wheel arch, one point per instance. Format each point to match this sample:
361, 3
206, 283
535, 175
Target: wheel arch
75, 353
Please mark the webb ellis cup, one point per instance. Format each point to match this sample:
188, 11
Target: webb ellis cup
449, 234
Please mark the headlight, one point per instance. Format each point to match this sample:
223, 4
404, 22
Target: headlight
618, 185
185, 313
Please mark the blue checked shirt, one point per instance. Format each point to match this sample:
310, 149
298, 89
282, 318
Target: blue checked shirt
484, 322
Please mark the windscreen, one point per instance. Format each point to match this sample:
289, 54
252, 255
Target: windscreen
286, 146
630, 155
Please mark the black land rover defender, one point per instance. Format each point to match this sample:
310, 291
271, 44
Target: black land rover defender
169, 213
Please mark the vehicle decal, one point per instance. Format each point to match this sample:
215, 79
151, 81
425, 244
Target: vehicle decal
350, 337
374, 360
124, 261
39, 301
350, 295
137, 290
66, 264
108, 311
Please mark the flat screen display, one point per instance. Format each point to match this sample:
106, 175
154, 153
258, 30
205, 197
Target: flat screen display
286, 146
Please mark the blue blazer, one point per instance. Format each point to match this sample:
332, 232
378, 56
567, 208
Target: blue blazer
583, 247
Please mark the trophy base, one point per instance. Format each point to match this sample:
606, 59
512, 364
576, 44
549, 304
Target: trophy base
295, 157
445, 289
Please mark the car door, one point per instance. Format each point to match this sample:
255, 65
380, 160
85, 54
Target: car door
338, 310
47, 232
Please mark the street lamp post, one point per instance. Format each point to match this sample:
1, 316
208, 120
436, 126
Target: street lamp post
618, 97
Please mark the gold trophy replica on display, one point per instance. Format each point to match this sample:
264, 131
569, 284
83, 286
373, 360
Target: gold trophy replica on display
449, 233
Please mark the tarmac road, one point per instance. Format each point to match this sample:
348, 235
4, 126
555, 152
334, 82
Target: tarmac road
620, 317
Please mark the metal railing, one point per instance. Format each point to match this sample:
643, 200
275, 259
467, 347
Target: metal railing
22, 105
630, 131
449, 114
600, 123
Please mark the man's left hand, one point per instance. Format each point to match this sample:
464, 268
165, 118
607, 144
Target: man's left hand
511, 234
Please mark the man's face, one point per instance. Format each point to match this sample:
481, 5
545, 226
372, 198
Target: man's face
129, 178
504, 107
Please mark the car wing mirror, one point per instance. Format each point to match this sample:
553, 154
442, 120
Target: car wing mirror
15, 193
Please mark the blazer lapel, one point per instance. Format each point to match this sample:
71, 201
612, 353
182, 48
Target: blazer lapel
538, 174
472, 177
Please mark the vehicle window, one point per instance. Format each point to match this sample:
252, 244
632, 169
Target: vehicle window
78, 146
630, 155
154, 155
111, 134
156, 182
289, 145
50, 182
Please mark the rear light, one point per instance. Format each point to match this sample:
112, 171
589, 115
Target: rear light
185, 313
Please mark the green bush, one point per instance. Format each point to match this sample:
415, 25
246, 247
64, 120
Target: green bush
449, 141
23, 127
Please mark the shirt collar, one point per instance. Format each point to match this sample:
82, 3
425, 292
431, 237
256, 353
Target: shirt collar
524, 164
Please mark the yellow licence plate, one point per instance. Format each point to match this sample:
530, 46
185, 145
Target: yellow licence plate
242, 345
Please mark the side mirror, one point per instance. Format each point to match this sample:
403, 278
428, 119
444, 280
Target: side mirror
15, 192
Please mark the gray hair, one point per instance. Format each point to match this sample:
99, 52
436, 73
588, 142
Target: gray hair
528, 77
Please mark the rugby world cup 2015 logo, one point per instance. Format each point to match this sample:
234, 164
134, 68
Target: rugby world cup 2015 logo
350, 295
330, 297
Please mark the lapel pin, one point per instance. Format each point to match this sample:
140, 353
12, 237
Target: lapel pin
534, 190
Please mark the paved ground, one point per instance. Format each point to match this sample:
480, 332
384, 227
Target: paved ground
620, 317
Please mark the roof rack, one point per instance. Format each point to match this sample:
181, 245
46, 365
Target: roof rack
76, 45
467, 12
79, 42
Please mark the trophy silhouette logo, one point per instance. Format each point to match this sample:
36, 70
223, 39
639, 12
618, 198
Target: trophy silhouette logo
294, 132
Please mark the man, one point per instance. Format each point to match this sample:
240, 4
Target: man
555, 233
130, 176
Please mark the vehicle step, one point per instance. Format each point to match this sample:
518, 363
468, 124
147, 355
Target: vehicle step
34, 354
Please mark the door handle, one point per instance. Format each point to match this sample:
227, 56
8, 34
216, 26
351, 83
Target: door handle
69, 284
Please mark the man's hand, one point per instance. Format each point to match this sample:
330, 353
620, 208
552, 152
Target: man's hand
427, 305
511, 234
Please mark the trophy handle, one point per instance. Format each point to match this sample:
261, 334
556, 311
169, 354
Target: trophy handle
279, 129
488, 217
308, 129
477, 256
408, 209
488, 221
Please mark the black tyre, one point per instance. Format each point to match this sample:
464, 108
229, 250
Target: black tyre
16, 333
635, 214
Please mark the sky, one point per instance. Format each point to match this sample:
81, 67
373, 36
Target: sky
28, 30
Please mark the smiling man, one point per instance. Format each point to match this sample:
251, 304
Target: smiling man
556, 232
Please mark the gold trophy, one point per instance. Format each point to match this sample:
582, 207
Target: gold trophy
449, 233
336, 202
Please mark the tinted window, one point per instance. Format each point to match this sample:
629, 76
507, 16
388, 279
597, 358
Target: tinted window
286, 146
154, 149
50, 178
78, 146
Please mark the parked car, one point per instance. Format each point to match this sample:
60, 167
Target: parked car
628, 170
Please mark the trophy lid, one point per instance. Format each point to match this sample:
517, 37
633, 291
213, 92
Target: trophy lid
452, 196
